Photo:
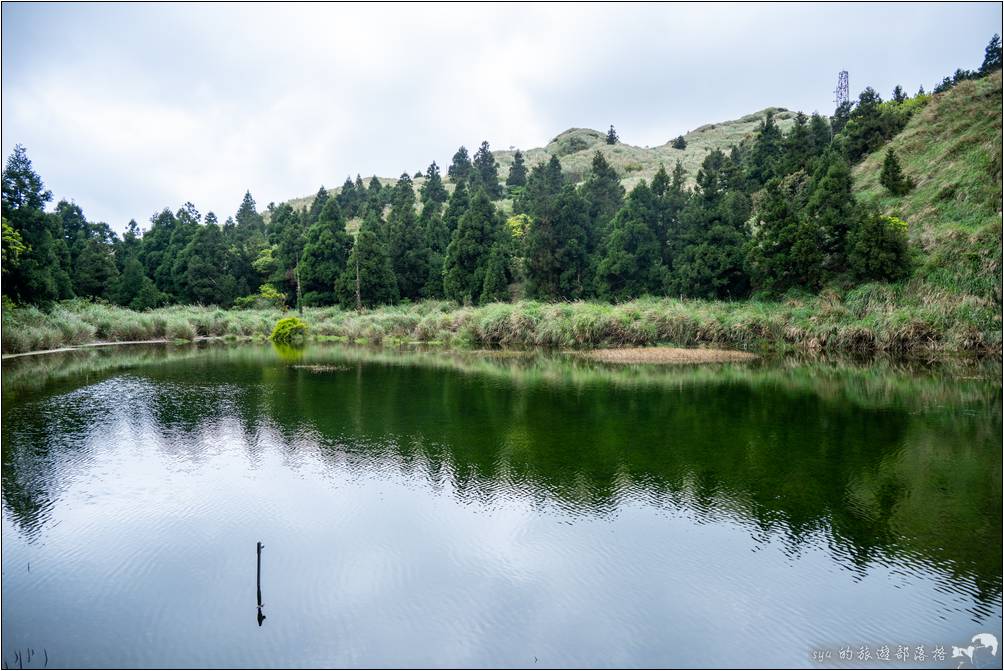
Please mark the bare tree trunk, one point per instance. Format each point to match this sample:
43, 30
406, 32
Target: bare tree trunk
299, 294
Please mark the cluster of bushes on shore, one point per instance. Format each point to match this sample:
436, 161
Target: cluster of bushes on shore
912, 318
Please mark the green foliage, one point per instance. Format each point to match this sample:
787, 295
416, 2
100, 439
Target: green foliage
631, 260
368, 278
13, 248
325, 254
557, 254
877, 249
267, 297
991, 56
612, 136
679, 142
433, 192
460, 168
517, 172
485, 173
786, 249
288, 330
467, 254
892, 177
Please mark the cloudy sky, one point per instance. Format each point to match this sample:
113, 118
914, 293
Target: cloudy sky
127, 109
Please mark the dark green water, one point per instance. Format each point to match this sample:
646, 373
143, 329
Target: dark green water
428, 509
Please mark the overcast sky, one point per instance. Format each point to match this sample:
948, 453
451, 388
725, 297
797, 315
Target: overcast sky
127, 109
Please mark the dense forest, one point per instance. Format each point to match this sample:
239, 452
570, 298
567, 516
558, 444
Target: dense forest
774, 214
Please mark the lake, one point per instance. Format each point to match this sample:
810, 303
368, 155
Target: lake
423, 508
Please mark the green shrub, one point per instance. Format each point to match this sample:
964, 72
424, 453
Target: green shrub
289, 329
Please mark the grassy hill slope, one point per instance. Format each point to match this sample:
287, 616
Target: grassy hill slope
575, 148
952, 150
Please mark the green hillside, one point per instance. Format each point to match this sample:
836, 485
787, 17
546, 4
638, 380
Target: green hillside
952, 150
575, 148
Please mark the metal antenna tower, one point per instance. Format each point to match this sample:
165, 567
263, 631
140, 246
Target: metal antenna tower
841, 94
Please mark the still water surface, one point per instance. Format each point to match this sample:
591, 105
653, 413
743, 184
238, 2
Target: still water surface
428, 509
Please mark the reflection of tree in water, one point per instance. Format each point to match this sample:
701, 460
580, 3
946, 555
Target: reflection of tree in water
843, 458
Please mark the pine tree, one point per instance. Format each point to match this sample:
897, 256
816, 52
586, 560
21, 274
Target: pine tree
495, 287
992, 56
469, 248
409, 252
460, 168
437, 239
631, 264
95, 274
517, 173
42, 272
317, 205
485, 172
841, 116
765, 154
346, 198
455, 208
878, 250
892, 177
368, 279
542, 187
433, 192
325, 254
612, 136
557, 255
832, 210
679, 142
819, 129
785, 251
604, 196
203, 277
247, 216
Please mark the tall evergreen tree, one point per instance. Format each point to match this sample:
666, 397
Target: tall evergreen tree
612, 136
765, 154
604, 196
455, 208
785, 251
42, 271
517, 172
433, 192
460, 168
892, 177
632, 265
877, 249
409, 252
204, 278
469, 249
832, 210
485, 172
898, 95
325, 254
992, 56
346, 198
557, 254
317, 205
368, 279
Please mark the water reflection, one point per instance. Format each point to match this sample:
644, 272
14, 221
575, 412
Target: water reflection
880, 465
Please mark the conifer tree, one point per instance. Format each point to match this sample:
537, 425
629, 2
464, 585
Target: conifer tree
819, 129
455, 208
42, 271
898, 95
433, 192
604, 196
204, 278
992, 56
679, 142
317, 205
368, 279
832, 209
460, 168
517, 172
485, 172
765, 154
325, 253
631, 264
469, 248
437, 239
247, 216
877, 249
892, 177
785, 251
496, 283
557, 255
346, 198
409, 252
612, 136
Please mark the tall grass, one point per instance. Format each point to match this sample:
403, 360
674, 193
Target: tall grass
919, 316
